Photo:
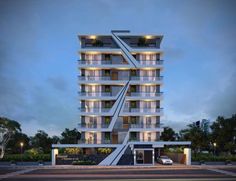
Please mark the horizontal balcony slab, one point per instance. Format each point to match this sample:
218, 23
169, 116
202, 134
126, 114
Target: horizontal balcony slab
97, 95
144, 95
100, 50
147, 129
83, 145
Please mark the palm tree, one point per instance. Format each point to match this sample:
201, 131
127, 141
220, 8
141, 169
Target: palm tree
7, 129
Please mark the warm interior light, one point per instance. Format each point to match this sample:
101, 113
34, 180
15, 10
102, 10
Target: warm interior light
148, 52
148, 37
92, 52
92, 37
92, 68
148, 68
122, 68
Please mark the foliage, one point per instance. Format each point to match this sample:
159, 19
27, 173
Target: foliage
41, 140
97, 43
33, 152
55, 139
142, 41
13, 145
72, 151
211, 157
104, 150
7, 129
168, 134
224, 134
199, 139
10, 124
81, 162
26, 157
173, 149
70, 136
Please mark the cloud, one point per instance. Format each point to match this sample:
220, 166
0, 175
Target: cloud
58, 83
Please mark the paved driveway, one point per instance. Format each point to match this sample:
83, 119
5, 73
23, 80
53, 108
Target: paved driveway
117, 173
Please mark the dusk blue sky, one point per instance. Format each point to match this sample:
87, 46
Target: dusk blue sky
39, 44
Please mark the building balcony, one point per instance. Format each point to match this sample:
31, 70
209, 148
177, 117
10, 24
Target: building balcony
151, 62
127, 111
134, 79
94, 62
144, 95
105, 79
102, 62
145, 125
98, 95
147, 110
95, 111
142, 140
94, 141
141, 127
92, 126
95, 94
147, 78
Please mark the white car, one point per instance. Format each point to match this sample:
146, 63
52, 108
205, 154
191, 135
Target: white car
165, 160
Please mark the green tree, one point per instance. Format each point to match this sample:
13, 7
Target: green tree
70, 136
41, 140
224, 134
55, 139
168, 134
8, 128
13, 145
199, 139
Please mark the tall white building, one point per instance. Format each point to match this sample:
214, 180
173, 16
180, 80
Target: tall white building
120, 81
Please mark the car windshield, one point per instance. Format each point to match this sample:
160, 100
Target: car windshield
164, 157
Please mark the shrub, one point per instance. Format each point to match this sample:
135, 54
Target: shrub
26, 157
73, 151
210, 157
104, 150
33, 152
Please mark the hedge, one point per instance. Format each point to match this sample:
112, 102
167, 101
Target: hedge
26, 157
212, 158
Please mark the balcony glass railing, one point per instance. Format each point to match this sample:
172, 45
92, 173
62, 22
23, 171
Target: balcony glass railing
146, 94
94, 110
145, 125
104, 78
94, 62
143, 140
95, 94
142, 110
94, 141
146, 78
91, 125
151, 62
120, 78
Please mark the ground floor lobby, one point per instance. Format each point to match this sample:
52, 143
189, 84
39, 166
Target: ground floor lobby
135, 154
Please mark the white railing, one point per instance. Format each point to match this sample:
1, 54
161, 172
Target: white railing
151, 62
95, 94
99, 78
94, 110
143, 110
147, 78
146, 94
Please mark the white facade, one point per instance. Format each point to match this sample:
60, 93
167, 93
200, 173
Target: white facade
120, 81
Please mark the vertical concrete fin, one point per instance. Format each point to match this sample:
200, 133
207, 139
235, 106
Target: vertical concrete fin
125, 51
118, 107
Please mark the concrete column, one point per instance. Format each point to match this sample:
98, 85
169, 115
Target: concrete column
54, 153
187, 153
153, 157
134, 151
